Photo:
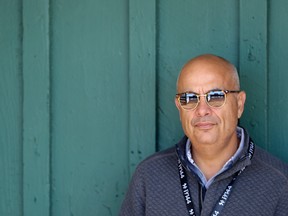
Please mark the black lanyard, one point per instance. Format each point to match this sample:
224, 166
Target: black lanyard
223, 198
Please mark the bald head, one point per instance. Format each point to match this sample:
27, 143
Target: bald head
206, 64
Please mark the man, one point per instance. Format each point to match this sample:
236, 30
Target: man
216, 168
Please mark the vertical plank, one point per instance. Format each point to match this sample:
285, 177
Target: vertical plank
36, 108
89, 57
253, 67
142, 82
278, 76
10, 109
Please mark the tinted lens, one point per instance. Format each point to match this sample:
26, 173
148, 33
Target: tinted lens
216, 98
188, 100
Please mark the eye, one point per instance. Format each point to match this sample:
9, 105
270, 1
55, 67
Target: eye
191, 98
215, 95
216, 98
183, 99
187, 98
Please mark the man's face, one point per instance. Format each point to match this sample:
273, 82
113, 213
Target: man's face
206, 125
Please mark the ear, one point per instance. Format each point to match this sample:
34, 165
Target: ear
177, 103
178, 106
241, 98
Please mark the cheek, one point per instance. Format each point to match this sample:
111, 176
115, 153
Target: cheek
230, 118
186, 121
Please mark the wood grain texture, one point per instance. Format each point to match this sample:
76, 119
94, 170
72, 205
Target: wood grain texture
142, 80
253, 62
278, 77
90, 106
10, 109
36, 108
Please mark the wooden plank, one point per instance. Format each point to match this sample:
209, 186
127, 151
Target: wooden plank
278, 76
253, 67
142, 80
90, 106
36, 108
10, 109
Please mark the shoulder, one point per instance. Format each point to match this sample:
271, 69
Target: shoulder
270, 163
158, 161
159, 167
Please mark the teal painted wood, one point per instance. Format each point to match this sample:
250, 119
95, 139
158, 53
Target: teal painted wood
36, 108
83, 123
10, 109
90, 106
142, 80
184, 31
278, 77
253, 60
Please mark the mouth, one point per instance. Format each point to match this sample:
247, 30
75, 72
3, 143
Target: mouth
204, 125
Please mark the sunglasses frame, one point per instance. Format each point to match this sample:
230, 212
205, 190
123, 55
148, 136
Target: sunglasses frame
178, 96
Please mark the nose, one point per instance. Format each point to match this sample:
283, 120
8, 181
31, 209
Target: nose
203, 109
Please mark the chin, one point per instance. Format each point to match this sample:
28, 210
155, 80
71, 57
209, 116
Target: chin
207, 142
205, 137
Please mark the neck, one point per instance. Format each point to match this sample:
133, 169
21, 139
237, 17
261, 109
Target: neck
210, 159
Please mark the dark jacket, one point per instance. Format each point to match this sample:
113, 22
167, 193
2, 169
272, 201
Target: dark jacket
155, 189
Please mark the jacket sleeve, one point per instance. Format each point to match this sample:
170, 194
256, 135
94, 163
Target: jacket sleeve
134, 202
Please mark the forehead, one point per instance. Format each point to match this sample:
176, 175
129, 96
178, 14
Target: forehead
202, 76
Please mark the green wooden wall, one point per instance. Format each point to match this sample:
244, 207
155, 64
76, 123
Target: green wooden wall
87, 91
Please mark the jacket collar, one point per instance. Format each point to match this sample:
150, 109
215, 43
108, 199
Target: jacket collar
243, 161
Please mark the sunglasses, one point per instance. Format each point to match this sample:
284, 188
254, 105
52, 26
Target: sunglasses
214, 98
